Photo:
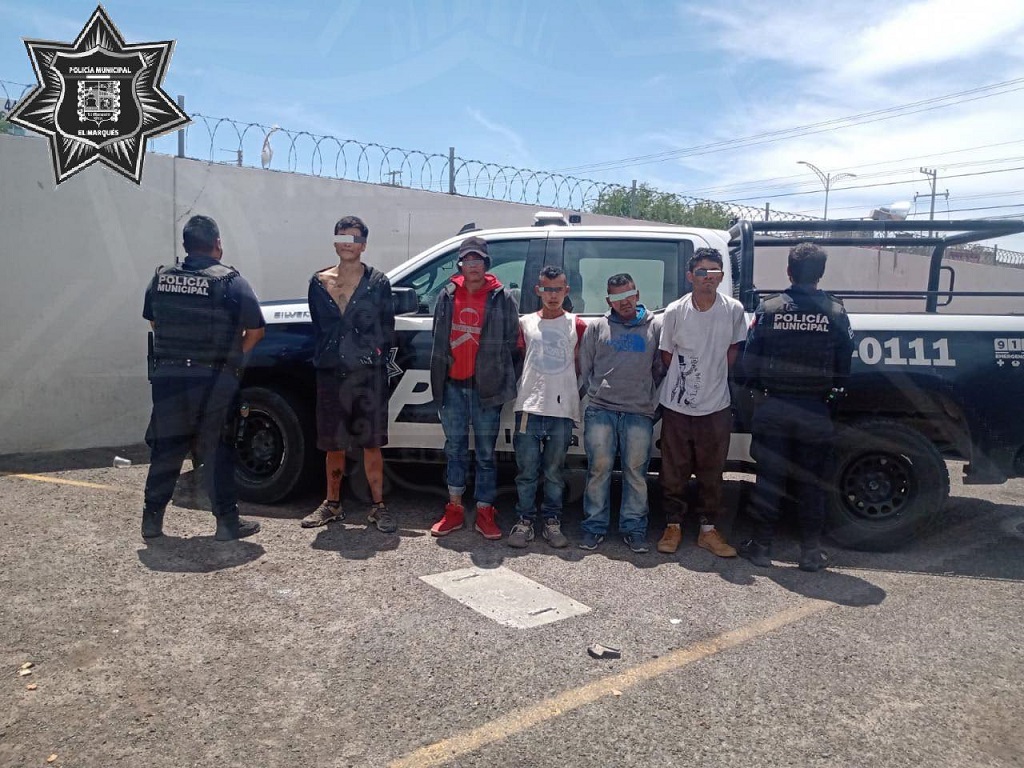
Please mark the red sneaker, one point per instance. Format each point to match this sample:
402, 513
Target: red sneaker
485, 524
453, 520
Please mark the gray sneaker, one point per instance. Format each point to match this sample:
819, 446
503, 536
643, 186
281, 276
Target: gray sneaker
322, 515
636, 543
522, 534
384, 520
553, 533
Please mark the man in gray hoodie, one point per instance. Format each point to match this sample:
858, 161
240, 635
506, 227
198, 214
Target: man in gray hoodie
620, 369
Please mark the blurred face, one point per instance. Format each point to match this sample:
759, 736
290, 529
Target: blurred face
623, 300
349, 251
552, 292
473, 267
706, 276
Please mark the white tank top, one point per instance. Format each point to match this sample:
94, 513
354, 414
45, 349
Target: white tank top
548, 385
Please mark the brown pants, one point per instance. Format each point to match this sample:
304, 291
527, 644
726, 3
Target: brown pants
693, 445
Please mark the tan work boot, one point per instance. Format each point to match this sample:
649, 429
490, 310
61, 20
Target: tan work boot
670, 539
327, 512
715, 543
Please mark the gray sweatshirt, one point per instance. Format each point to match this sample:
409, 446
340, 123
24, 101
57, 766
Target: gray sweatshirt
620, 367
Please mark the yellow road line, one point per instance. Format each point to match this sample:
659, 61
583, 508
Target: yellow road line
58, 480
520, 720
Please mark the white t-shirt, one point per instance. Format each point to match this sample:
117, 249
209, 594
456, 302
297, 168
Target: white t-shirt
548, 385
697, 380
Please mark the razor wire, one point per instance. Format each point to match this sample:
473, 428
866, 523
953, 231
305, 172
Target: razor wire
11, 94
228, 141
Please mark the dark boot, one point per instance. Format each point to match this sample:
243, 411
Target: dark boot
152, 522
758, 553
231, 526
812, 559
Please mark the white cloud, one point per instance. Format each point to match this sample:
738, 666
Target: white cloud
932, 32
842, 43
814, 62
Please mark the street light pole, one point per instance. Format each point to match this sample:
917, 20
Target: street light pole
826, 179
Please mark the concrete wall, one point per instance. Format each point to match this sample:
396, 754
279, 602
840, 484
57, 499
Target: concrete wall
877, 269
77, 259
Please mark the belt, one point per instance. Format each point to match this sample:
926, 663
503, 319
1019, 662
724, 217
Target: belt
190, 363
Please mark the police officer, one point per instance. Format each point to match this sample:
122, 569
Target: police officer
205, 317
798, 355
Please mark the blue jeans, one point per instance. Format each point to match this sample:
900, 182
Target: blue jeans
460, 409
541, 444
604, 433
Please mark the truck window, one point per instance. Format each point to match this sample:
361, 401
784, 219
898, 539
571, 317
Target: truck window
508, 263
653, 264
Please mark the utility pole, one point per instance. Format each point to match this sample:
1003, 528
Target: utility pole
181, 131
394, 175
932, 174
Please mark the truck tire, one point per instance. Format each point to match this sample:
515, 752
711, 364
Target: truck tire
277, 446
889, 484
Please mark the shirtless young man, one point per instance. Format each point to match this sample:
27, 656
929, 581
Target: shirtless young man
354, 326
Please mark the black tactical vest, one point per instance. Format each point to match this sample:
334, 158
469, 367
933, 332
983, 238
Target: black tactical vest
800, 342
193, 319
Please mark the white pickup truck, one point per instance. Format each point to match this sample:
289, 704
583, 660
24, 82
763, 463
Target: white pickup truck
926, 385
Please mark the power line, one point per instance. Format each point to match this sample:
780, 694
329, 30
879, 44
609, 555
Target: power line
981, 208
872, 186
757, 183
862, 118
957, 198
761, 188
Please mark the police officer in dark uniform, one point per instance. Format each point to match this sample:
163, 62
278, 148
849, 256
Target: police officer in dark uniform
798, 355
205, 317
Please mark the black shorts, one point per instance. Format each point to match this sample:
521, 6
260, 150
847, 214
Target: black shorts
352, 409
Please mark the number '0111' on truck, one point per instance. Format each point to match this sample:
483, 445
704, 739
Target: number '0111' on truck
928, 382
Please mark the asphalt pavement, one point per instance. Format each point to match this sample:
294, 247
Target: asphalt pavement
326, 647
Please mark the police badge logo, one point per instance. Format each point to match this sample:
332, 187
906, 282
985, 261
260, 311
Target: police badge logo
98, 99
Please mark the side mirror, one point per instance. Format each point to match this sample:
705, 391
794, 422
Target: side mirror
405, 300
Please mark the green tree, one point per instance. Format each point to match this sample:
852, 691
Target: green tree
651, 205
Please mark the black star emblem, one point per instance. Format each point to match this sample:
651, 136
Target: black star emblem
98, 99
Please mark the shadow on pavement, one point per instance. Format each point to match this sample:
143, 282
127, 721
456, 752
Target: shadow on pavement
63, 461
355, 541
974, 538
200, 554
828, 585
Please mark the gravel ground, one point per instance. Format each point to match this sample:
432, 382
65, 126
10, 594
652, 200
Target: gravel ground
324, 647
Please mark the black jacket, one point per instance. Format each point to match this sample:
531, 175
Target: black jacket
497, 357
361, 336
800, 344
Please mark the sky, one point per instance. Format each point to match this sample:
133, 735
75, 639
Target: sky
711, 100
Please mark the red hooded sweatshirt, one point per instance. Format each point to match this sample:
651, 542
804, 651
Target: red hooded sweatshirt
467, 322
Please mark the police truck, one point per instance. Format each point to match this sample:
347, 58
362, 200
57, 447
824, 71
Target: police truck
929, 383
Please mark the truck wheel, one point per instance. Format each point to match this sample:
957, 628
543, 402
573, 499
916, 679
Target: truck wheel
276, 447
889, 483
